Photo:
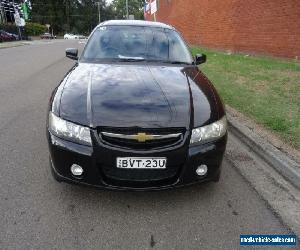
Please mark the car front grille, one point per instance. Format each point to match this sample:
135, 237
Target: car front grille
141, 139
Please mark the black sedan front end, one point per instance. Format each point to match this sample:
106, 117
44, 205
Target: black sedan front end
126, 119
185, 165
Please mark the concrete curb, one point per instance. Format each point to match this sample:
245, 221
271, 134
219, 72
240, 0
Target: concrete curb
7, 45
270, 154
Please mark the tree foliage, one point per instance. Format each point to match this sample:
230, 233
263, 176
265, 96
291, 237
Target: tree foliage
34, 29
80, 16
135, 7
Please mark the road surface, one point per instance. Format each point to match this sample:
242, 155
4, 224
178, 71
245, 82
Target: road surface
39, 213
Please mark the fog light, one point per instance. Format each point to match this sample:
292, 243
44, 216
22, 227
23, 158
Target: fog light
201, 170
76, 170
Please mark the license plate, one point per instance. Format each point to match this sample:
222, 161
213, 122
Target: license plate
141, 163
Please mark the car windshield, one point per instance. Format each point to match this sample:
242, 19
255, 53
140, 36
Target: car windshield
136, 43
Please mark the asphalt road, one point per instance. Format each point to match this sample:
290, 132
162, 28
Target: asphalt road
39, 213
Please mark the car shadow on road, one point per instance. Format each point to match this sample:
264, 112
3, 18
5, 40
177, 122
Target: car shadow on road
91, 197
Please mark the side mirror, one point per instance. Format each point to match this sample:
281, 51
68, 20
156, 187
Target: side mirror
72, 53
200, 58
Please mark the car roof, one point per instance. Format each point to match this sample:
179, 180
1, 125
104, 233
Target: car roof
136, 23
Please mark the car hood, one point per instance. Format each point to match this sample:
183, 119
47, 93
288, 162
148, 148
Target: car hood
135, 95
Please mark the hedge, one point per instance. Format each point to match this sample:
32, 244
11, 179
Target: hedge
34, 29
30, 29
11, 28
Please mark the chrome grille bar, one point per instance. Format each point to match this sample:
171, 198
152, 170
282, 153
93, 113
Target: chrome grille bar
148, 137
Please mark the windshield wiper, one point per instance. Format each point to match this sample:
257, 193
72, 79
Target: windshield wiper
130, 59
168, 61
176, 62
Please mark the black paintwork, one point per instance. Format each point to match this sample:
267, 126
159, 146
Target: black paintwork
140, 96
200, 58
137, 94
64, 154
72, 53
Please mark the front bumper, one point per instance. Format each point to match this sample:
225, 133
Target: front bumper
96, 161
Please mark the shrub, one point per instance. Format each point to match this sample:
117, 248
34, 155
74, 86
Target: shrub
30, 29
34, 29
11, 28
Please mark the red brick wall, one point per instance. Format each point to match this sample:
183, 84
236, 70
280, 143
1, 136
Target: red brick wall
255, 26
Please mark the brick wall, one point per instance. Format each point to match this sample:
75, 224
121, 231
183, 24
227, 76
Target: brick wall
257, 26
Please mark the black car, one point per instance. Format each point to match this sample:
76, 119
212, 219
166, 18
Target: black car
135, 112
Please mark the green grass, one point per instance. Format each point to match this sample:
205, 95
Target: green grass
265, 89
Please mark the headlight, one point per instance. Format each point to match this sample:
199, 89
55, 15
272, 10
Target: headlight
209, 132
69, 130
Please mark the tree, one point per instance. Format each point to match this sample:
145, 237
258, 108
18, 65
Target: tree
81, 16
76, 16
135, 7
